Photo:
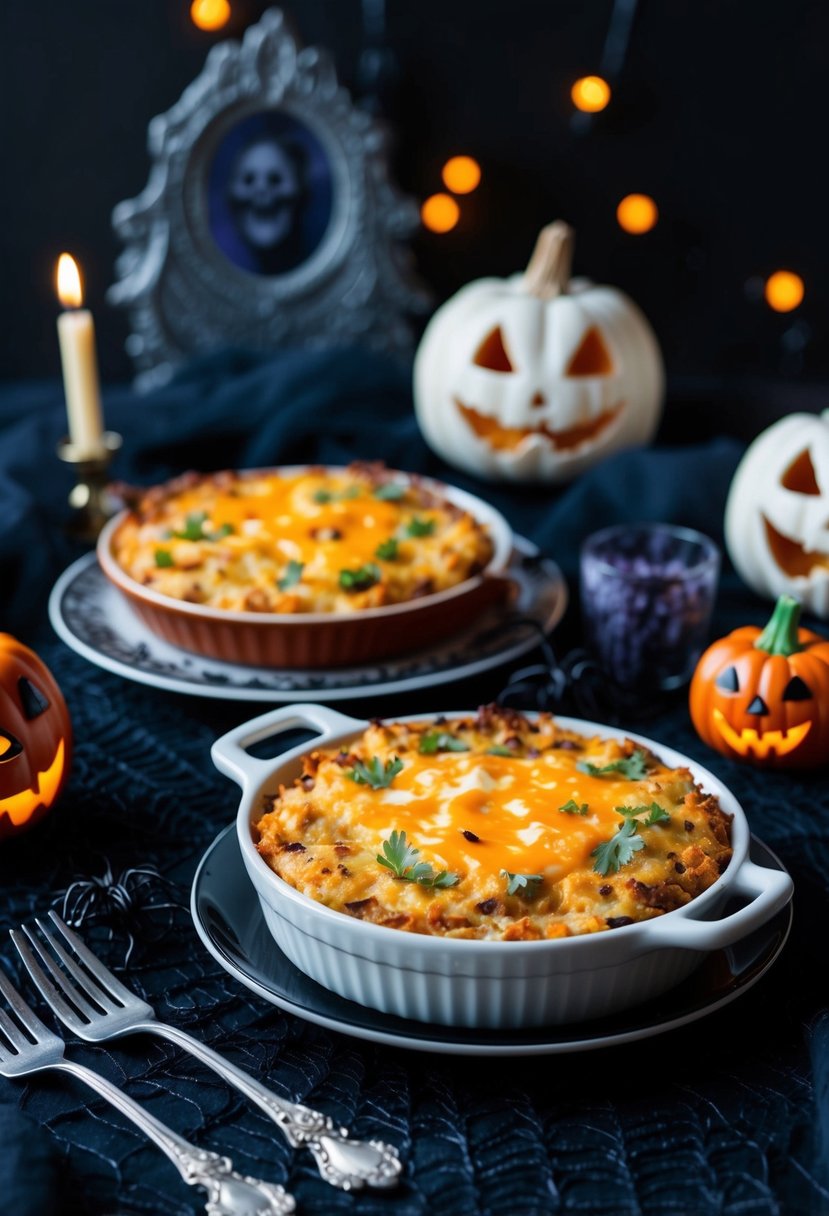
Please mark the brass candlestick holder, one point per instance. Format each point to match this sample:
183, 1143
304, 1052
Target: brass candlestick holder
91, 502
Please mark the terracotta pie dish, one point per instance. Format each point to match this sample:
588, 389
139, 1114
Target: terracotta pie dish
321, 639
486, 983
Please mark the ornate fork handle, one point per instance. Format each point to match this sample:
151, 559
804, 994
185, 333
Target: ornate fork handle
228, 1192
348, 1164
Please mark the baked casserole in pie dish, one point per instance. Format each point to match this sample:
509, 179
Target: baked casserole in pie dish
491, 868
306, 566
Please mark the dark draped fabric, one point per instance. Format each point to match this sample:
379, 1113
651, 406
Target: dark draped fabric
729, 1114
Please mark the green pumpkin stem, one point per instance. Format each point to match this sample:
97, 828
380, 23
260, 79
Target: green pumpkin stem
780, 636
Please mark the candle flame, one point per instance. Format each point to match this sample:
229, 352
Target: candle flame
70, 292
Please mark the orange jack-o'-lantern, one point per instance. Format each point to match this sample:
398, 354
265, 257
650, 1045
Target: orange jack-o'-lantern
35, 737
537, 376
777, 515
763, 695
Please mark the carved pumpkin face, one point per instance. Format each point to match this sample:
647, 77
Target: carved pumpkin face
519, 385
763, 696
777, 516
35, 737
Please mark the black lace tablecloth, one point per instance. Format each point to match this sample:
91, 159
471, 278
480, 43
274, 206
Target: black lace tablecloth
729, 1114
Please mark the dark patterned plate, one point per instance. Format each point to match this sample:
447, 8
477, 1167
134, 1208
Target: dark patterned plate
228, 919
94, 620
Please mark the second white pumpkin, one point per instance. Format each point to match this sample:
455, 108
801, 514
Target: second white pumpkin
536, 377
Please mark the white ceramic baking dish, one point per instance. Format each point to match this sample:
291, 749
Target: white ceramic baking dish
483, 983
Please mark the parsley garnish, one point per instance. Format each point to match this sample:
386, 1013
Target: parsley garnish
419, 527
361, 579
573, 808
521, 882
440, 741
375, 773
387, 550
324, 496
499, 750
194, 528
222, 531
654, 812
399, 857
390, 491
292, 575
634, 767
612, 854
163, 558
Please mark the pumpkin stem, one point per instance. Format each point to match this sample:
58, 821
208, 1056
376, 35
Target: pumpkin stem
780, 636
548, 271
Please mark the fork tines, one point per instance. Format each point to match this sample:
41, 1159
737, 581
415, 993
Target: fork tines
92, 989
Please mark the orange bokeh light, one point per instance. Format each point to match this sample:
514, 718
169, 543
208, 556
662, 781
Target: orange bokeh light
590, 94
637, 213
461, 174
440, 213
210, 14
70, 291
784, 290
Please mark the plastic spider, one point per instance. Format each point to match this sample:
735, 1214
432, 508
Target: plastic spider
125, 903
575, 684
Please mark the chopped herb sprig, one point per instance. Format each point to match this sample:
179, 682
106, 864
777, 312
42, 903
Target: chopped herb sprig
440, 741
612, 854
574, 808
387, 550
400, 857
360, 579
292, 575
375, 772
390, 491
526, 884
417, 527
653, 814
633, 767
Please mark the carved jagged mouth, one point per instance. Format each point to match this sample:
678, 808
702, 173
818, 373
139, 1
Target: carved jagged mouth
19, 807
761, 742
509, 437
792, 557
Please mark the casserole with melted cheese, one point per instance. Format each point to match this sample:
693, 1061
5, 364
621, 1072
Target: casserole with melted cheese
306, 541
494, 827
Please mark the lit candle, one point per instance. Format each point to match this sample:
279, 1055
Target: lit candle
76, 334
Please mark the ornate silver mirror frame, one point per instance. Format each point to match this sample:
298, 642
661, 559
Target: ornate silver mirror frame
268, 218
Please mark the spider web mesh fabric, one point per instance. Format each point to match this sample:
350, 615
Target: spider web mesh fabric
717, 1117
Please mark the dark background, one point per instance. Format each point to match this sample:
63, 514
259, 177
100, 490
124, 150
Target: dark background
719, 112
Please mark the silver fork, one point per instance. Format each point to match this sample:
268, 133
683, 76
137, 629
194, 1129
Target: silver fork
105, 1009
38, 1049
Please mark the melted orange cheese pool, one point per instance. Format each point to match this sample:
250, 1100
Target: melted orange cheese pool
314, 541
522, 830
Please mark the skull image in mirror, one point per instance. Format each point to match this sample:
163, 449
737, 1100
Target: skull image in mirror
266, 191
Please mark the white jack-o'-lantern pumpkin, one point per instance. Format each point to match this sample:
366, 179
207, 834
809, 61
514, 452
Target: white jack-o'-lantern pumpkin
537, 376
777, 514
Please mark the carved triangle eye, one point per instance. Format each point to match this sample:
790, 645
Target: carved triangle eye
492, 353
592, 358
9, 746
797, 690
800, 476
31, 698
727, 681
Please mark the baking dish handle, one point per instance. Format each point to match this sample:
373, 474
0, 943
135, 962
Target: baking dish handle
230, 753
768, 891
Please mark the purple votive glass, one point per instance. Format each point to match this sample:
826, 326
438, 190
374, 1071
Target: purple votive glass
647, 591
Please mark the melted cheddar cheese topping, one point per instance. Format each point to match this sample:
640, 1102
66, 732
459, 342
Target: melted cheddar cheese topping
309, 542
527, 808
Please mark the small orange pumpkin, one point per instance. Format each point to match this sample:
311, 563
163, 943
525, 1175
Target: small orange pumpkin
35, 737
763, 695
